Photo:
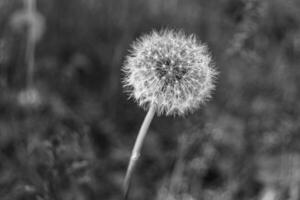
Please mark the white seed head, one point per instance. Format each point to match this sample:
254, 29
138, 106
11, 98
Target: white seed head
170, 69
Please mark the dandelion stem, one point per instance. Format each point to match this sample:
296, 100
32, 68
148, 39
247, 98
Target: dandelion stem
30, 51
30, 46
137, 149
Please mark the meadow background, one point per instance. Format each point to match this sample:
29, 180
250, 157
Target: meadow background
69, 133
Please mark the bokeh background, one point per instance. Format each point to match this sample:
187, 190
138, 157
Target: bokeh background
67, 128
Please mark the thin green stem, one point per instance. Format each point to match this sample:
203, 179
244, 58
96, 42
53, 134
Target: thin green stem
137, 149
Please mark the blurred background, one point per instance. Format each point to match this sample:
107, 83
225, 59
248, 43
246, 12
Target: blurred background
67, 128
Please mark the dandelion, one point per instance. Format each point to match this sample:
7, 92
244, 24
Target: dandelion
29, 17
167, 73
30, 97
171, 70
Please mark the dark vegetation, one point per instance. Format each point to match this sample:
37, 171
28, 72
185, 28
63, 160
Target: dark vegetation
69, 136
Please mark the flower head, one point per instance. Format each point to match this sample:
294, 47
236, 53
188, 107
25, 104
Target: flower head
30, 97
169, 69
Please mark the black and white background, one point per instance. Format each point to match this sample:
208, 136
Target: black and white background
67, 127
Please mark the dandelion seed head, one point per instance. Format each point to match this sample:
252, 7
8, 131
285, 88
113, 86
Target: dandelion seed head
30, 97
170, 69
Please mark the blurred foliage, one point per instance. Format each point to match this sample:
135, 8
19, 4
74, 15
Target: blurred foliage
69, 136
